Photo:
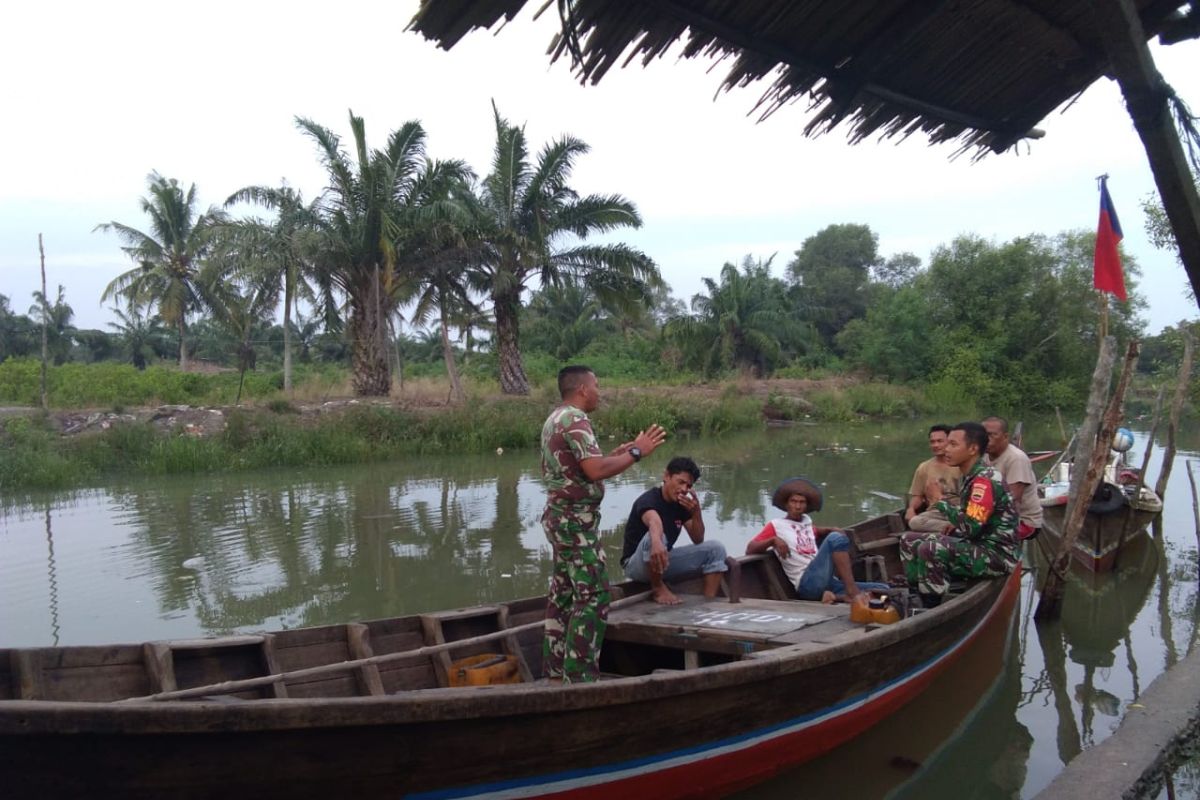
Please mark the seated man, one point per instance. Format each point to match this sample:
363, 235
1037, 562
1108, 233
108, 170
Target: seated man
984, 532
810, 568
653, 526
1017, 471
930, 520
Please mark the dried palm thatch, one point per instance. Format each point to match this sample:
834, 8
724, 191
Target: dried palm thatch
981, 73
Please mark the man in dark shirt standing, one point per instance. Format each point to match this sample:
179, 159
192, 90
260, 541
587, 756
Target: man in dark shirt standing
654, 524
574, 469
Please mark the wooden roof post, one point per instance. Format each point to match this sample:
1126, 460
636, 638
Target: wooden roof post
1147, 97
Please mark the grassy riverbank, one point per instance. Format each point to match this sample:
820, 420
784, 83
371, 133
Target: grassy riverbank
35, 453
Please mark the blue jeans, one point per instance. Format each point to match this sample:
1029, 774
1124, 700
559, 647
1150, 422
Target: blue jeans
685, 562
818, 577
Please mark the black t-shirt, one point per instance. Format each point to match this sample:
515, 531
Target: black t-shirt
673, 515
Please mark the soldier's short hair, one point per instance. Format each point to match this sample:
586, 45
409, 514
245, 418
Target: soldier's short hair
939, 427
975, 434
571, 378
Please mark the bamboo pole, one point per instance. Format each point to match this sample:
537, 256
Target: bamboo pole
1185, 376
1062, 430
45, 322
1050, 604
225, 687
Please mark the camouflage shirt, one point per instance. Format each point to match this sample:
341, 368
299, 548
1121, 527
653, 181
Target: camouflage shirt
567, 439
985, 514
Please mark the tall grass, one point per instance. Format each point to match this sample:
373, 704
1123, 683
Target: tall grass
108, 384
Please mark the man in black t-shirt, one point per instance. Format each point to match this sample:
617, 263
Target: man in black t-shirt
655, 522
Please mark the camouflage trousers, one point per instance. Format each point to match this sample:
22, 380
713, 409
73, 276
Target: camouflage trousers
930, 560
577, 610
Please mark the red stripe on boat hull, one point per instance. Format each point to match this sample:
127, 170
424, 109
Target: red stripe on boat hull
721, 774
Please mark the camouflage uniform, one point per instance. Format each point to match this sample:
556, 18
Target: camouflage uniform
983, 542
577, 611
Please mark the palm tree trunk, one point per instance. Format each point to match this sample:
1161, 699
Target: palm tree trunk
456, 390
512, 372
288, 290
369, 362
183, 353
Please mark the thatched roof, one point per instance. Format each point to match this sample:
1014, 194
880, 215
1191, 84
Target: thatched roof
981, 72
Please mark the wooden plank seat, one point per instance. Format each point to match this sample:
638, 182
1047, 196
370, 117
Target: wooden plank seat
186, 663
700, 625
447, 627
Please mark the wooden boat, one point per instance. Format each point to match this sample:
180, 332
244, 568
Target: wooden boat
698, 700
1118, 514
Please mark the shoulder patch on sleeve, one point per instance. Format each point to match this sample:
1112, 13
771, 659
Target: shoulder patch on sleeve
982, 499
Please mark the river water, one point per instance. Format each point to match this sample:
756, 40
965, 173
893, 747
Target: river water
206, 555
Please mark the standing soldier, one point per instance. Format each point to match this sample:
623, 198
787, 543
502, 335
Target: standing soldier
573, 468
983, 536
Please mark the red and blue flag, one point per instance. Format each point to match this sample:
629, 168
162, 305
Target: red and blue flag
1107, 275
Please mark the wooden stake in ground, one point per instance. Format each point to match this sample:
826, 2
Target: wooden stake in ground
1195, 502
1050, 604
1185, 376
45, 322
1085, 437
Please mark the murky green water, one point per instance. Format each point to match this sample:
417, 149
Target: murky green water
209, 555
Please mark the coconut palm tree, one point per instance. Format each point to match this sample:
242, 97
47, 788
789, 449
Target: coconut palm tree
168, 258
440, 255
57, 320
278, 250
530, 221
365, 218
443, 294
139, 334
241, 311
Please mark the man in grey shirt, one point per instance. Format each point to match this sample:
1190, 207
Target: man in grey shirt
1017, 470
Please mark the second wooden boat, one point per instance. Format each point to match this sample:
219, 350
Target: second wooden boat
1118, 514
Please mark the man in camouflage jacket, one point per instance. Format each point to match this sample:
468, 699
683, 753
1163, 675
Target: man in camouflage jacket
981, 537
574, 468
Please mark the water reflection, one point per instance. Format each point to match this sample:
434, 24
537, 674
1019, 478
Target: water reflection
962, 738
180, 558
1097, 618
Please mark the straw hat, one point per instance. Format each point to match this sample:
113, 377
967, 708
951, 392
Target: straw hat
797, 485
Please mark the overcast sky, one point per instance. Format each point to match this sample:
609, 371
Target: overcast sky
99, 94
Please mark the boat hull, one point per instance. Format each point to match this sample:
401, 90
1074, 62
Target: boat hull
1102, 537
700, 733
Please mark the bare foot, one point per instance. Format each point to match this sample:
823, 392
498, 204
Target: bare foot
828, 598
666, 597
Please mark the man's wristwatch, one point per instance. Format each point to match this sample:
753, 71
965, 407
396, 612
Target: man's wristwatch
636, 452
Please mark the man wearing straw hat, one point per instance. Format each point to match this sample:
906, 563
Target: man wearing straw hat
818, 572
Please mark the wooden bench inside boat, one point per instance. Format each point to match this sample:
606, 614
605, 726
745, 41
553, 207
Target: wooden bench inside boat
701, 632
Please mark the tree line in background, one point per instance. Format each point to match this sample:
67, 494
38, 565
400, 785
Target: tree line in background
498, 274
